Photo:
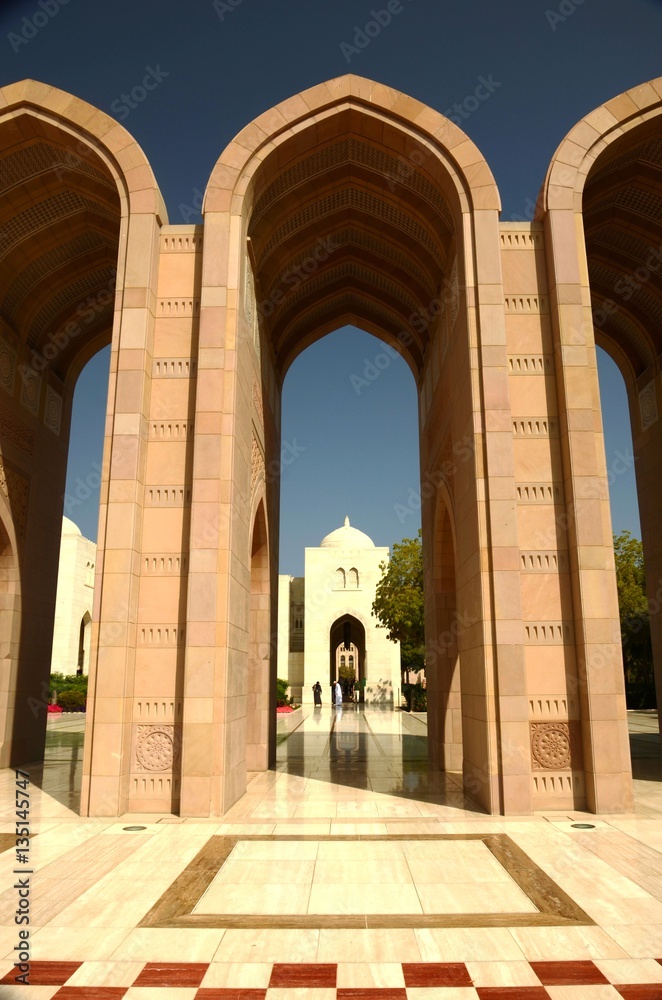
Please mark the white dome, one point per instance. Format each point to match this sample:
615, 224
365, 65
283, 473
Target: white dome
347, 538
69, 528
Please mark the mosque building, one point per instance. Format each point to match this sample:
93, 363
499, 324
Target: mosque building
326, 627
73, 604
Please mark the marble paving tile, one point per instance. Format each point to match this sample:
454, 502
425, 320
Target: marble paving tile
87, 944
502, 974
168, 945
345, 871
106, 974
256, 898
370, 974
274, 851
441, 993
368, 946
631, 970
460, 944
36, 992
461, 897
573, 943
637, 940
254, 871
237, 975
385, 898
253, 945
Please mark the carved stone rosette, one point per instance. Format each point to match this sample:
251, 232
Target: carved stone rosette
157, 748
555, 746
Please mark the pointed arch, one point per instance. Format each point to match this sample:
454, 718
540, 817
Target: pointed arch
259, 646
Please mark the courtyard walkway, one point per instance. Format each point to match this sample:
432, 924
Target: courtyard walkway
347, 871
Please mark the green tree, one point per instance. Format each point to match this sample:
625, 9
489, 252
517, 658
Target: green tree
635, 622
398, 604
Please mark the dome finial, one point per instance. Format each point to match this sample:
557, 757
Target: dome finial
346, 521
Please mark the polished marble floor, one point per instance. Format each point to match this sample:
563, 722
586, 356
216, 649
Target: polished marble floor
347, 871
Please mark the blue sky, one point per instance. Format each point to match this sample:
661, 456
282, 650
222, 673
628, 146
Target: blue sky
220, 65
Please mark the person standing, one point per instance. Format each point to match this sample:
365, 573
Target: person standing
338, 694
317, 693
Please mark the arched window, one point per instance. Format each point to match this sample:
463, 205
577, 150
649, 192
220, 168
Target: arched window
342, 661
340, 579
353, 578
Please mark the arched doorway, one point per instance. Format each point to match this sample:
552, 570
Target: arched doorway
84, 633
352, 205
442, 654
79, 222
347, 659
259, 721
603, 205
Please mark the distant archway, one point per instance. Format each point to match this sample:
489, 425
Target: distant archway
348, 634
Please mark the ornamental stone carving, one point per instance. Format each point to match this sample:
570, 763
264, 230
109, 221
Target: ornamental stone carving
257, 465
155, 748
53, 410
15, 489
30, 390
555, 746
257, 400
12, 431
648, 406
250, 307
7, 367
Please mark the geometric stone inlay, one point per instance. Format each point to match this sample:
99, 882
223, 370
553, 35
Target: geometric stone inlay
183, 904
257, 465
155, 748
7, 367
53, 410
554, 746
13, 431
257, 400
16, 491
30, 389
648, 406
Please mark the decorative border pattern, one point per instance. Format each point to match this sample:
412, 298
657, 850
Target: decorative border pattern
648, 406
53, 410
555, 907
